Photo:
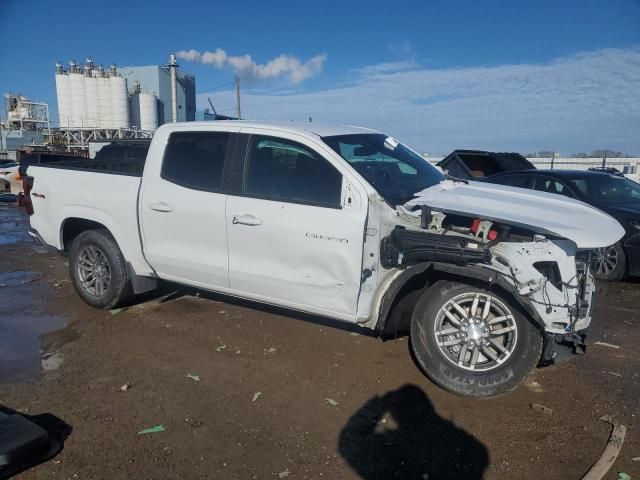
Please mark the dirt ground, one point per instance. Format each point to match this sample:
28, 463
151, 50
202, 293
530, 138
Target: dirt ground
283, 395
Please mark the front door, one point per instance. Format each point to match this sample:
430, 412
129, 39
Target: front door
293, 240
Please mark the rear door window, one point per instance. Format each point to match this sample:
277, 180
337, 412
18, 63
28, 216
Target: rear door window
195, 159
551, 185
280, 169
520, 181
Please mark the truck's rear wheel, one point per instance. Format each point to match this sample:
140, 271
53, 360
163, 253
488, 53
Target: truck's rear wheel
98, 270
471, 341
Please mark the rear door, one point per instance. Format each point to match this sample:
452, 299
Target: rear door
182, 208
296, 227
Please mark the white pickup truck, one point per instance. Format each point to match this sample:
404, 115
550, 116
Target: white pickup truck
342, 222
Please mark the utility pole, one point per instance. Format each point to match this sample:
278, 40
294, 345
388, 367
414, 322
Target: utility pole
174, 87
239, 114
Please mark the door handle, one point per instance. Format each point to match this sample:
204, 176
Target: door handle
246, 220
161, 207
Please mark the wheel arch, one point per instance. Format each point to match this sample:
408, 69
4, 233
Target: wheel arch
404, 291
71, 227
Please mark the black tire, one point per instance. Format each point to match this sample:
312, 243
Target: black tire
505, 373
610, 264
119, 290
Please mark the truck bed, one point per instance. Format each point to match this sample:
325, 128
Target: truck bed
118, 157
102, 192
131, 167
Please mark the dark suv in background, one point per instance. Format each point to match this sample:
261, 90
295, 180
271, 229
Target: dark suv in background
610, 192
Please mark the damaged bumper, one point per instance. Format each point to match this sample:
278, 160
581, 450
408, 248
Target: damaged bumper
553, 278
559, 347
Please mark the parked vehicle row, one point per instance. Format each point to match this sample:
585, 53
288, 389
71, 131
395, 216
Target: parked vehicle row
342, 222
605, 188
10, 180
608, 191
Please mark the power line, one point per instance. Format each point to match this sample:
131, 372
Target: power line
227, 109
217, 87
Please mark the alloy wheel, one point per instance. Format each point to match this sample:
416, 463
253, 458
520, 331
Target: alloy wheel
475, 331
94, 270
606, 260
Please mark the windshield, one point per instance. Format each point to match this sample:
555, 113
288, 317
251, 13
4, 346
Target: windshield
394, 170
607, 189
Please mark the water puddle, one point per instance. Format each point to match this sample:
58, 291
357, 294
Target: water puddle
30, 336
25, 342
14, 221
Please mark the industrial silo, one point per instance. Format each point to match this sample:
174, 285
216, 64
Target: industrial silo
104, 100
119, 100
148, 111
91, 101
63, 94
78, 103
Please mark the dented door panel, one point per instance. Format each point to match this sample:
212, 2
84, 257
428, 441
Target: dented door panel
300, 256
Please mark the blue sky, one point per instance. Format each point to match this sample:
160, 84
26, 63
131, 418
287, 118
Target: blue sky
502, 75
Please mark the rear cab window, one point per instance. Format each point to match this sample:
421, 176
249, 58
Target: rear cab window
195, 159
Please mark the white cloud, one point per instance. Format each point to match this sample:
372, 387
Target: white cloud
387, 67
286, 66
575, 103
401, 48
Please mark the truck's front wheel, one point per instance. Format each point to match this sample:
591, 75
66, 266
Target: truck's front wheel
471, 341
98, 270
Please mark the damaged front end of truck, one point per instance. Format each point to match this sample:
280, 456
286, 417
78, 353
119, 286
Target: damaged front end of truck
543, 267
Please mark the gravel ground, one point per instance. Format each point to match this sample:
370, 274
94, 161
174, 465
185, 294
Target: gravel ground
283, 395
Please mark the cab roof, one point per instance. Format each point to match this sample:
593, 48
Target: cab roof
317, 129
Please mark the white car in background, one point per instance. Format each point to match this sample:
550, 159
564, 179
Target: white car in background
10, 180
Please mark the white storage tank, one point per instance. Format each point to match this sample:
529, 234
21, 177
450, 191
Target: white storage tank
91, 101
119, 102
104, 102
78, 103
63, 94
148, 111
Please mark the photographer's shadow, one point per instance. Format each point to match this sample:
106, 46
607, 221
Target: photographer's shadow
399, 435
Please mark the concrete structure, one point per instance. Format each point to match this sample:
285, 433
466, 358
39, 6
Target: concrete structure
156, 80
91, 98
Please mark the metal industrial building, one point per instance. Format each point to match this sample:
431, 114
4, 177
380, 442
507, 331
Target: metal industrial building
116, 100
154, 79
